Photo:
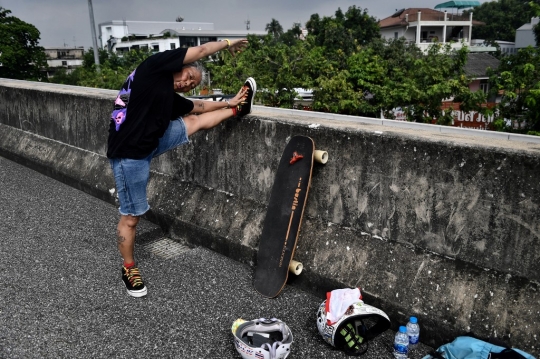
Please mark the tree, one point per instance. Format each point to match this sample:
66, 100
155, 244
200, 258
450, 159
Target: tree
396, 86
274, 28
502, 18
20, 55
535, 8
342, 34
518, 79
89, 60
440, 75
279, 69
385, 75
364, 28
292, 35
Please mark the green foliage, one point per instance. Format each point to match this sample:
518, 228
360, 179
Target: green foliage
89, 60
535, 8
20, 55
518, 79
345, 31
278, 68
291, 36
337, 94
396, 85
366, 81
438, 76
391, 74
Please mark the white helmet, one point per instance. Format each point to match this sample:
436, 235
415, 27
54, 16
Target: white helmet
354, 329
262, 338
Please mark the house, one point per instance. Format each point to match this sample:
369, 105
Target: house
121, 35
525, 34
67, 58
424, 26
477, 67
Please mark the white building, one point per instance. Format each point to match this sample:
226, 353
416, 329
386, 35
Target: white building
424, 26
525, 34
67, 58
507, 47
121, 36
480, 45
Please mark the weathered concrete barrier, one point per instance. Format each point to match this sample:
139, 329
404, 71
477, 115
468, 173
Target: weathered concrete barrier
432, 222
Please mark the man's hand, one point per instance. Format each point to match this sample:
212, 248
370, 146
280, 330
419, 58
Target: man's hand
238, 46
239, 98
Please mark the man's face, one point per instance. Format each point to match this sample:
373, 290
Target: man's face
187, 79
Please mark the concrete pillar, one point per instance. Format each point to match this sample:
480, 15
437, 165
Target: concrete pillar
470, 28
418, 28
444, 26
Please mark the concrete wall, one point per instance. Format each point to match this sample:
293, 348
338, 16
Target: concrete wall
433, 222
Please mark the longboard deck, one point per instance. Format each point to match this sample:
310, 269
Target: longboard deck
284, 216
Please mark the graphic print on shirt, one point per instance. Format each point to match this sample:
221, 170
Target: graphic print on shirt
120, 104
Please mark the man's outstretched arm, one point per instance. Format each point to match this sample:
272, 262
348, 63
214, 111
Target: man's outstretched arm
198, 52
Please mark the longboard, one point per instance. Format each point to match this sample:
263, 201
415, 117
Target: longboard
281, 226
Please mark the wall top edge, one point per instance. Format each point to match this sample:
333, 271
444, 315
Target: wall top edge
318, 121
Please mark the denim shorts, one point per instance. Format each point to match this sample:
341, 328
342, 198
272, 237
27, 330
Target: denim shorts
131, 176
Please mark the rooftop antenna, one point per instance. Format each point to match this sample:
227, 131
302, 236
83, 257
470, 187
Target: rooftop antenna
248, 24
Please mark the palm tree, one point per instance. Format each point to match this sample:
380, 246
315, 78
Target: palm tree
274, 28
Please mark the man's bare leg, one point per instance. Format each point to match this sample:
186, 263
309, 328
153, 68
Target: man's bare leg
131, 275
126, 237
206, 121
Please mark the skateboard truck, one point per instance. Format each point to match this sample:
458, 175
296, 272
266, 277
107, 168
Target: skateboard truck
318, 155
295, 157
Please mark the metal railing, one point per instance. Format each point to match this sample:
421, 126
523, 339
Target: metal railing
438, 17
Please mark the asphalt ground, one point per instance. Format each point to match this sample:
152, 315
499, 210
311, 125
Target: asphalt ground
62, 297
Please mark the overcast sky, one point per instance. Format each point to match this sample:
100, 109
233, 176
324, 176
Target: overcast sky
67, 22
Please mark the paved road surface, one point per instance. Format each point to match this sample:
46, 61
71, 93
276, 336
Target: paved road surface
61, 294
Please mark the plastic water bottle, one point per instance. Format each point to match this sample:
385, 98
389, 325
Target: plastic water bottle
401, 343
413, 331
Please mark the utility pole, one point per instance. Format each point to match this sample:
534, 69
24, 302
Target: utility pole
94, 39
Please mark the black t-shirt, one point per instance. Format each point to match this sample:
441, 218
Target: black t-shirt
145, 106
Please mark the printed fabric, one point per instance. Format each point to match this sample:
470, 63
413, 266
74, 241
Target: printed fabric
120, 104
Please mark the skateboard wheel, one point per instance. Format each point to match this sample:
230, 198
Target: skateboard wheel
320, 156
296, 267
